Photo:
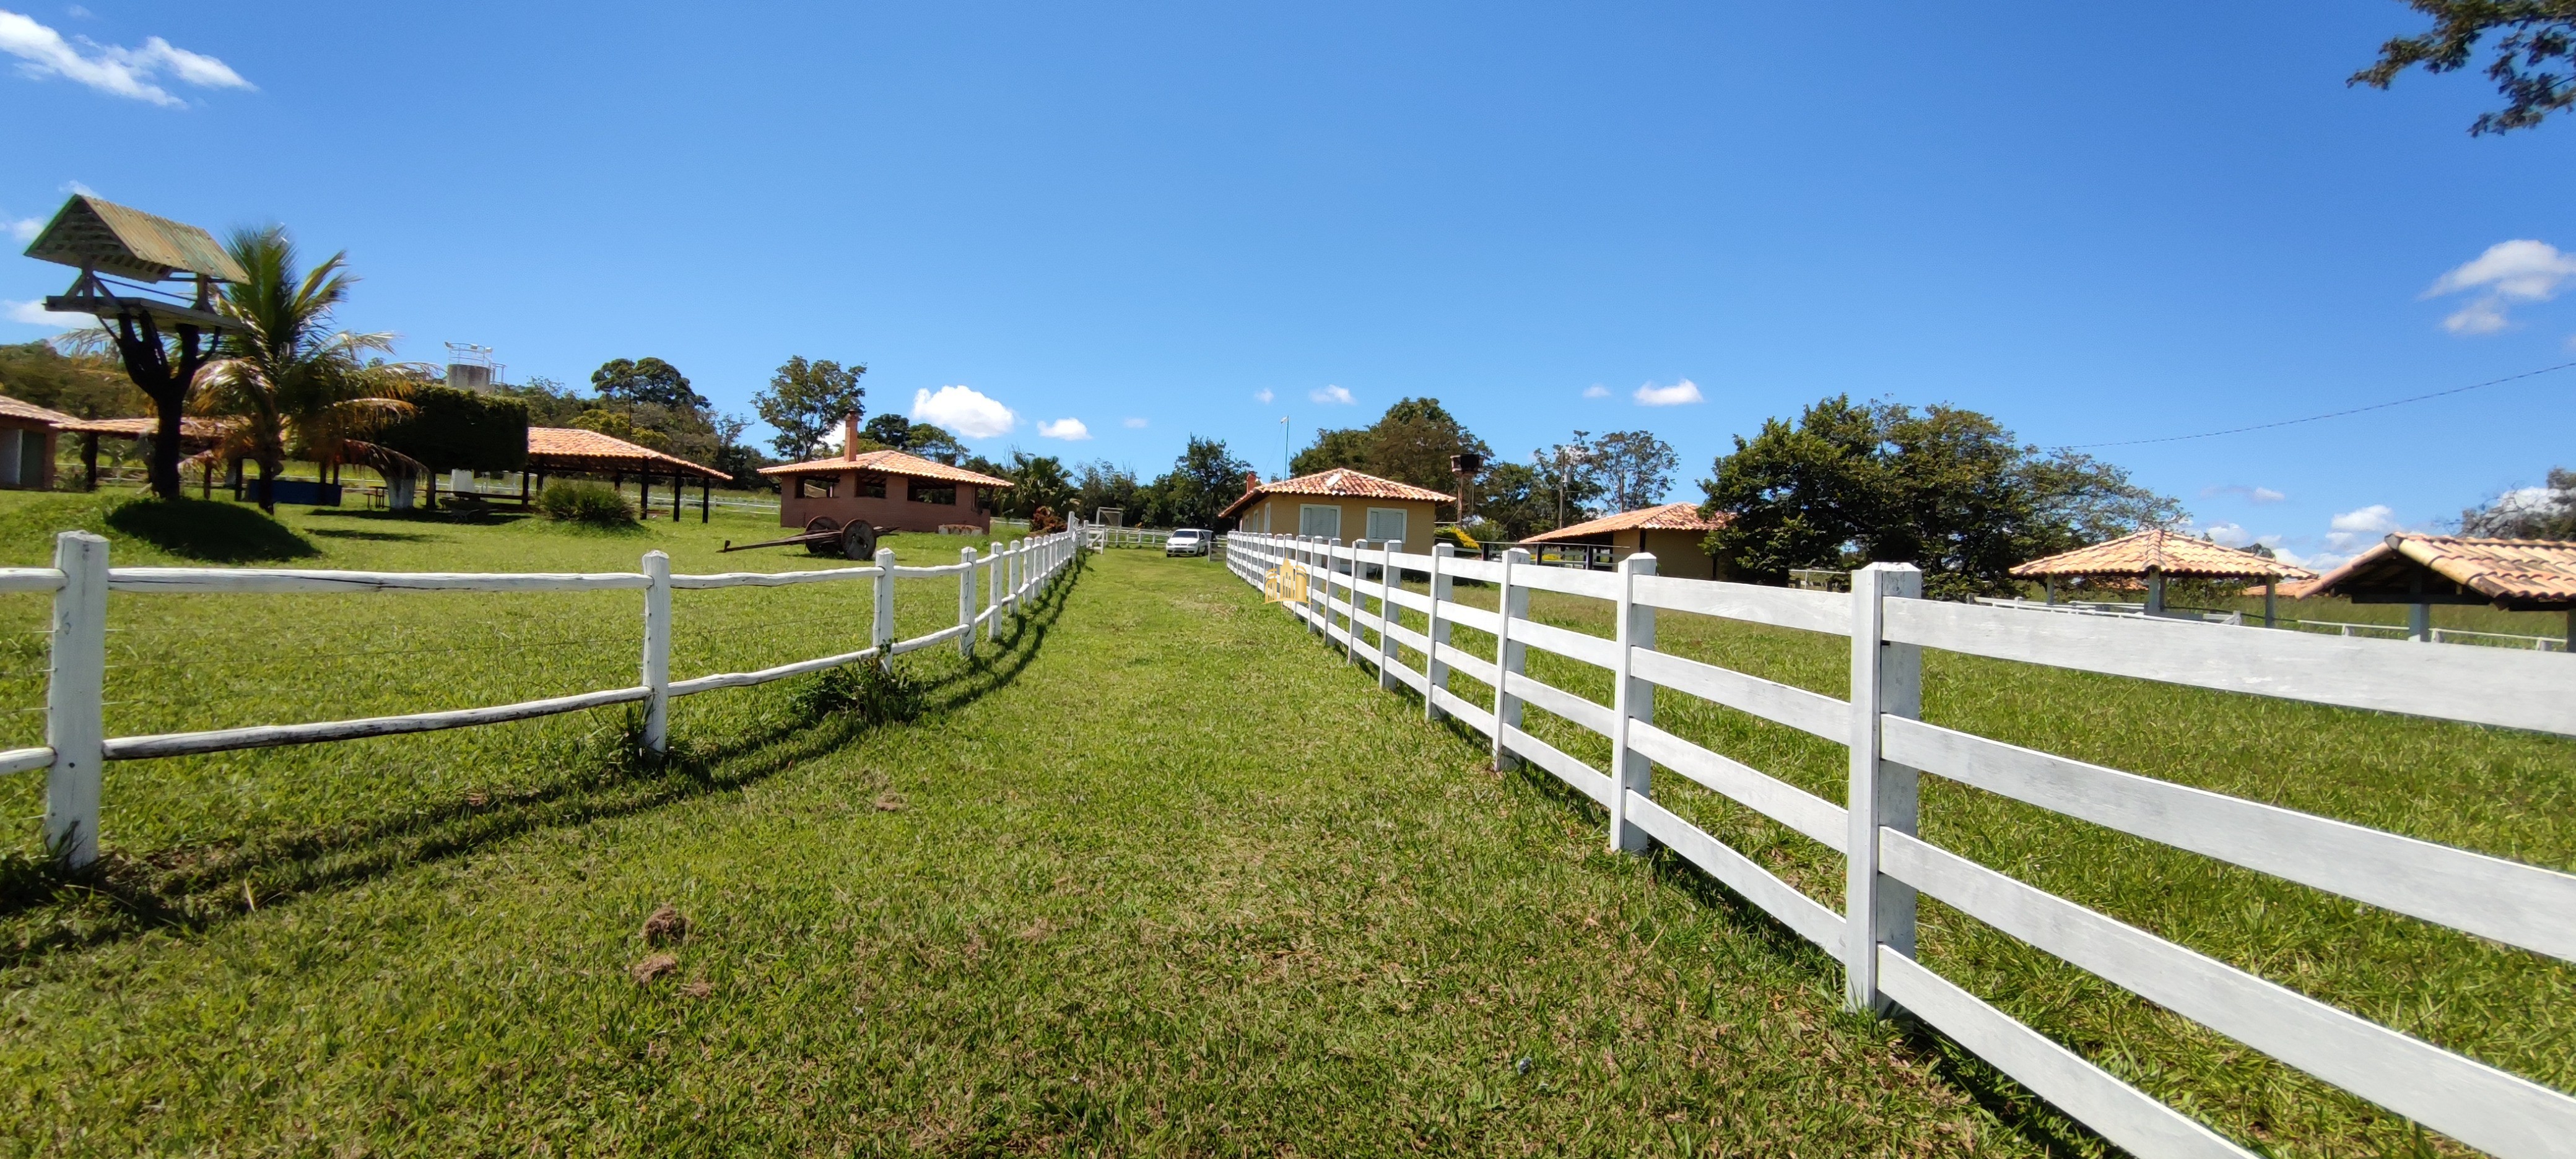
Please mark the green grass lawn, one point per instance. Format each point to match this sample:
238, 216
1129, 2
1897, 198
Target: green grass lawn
1152, 877
2495, 791
1157, 874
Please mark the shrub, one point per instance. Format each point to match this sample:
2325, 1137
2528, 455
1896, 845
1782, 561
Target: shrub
590, 503
864, 692
1457, 537
1044, 521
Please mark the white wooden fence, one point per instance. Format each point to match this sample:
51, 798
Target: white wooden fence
1353, 588
77, 745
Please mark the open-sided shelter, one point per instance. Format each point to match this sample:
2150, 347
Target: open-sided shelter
1671, 532
1340, 504
2521, 575
886, 490
574, 451
2153, 555
195, 434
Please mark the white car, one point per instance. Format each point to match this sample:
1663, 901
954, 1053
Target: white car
1186, 541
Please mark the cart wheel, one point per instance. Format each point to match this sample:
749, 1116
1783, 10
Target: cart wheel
821, 523
858, 541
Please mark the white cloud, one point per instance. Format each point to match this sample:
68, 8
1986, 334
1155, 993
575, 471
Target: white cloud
1596, 390
23, 228
1070, 430
1134, 424
1332, 396
1680, 393
77, 187
1263, 395
124, 72
2354, 532
2521, 270
964, 410
2255, 495
35, 314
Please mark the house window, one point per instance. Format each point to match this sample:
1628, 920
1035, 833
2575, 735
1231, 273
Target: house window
945, 496
1319, 520
871, 486
1385, 524
811, 487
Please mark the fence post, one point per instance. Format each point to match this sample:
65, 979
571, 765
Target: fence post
993, 593
1351, 609
966, 604
1634, 701
75, 699
1886, 679
1435, 674
1386, 614
657, 651
883, 635
1509, 654
1315, 592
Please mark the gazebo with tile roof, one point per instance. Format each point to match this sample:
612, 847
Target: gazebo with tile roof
1671, 532
574, 451
2519, 575
2152, 555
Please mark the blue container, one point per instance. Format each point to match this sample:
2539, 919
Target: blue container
301, 492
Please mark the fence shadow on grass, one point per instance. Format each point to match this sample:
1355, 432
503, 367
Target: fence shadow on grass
46, 910
2012, 1106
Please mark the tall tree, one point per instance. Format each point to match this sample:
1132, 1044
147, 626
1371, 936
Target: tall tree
1410, 443
636, 382
1036, 481
1632, 469
1566, 470
890, 430
1943, 488
2543, 512
805, 401
933, 443
1202, 482
79, 381
2529, 66
288, 382
1513, 502
1101, 483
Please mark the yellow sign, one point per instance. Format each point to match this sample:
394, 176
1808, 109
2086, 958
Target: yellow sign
1284, 584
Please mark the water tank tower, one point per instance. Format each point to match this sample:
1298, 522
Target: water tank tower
470, 367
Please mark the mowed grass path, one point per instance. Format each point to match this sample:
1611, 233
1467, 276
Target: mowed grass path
1158, 876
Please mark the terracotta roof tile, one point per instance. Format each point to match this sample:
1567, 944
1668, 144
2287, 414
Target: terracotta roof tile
2171, 552
575, 449
2512, 572
190, 427
1666, 517
1341, 483
889, 463
28, 410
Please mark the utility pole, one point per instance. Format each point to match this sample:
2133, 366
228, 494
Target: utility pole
1284, 457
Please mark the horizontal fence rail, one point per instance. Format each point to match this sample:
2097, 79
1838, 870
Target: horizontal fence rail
1354, 598
77, 745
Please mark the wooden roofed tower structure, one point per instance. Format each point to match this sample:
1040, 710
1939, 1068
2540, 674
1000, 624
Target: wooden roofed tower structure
164, 338
2151, 556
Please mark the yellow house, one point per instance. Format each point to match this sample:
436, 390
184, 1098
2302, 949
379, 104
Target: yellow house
1340, 504
1671, 533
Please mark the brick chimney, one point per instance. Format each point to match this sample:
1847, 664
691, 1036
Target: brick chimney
850, 435
1251, 482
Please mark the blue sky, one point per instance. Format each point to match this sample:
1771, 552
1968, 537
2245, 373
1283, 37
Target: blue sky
2096, 222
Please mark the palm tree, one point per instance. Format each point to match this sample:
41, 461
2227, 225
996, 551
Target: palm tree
288, 383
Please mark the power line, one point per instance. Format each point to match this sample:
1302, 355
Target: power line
2329, 415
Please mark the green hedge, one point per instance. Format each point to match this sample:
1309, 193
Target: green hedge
456, 428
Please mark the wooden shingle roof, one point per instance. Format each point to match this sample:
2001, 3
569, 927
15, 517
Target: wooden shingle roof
115, 239
1665, 517
2520, 574
1341, 483
889, 463
2156, 549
